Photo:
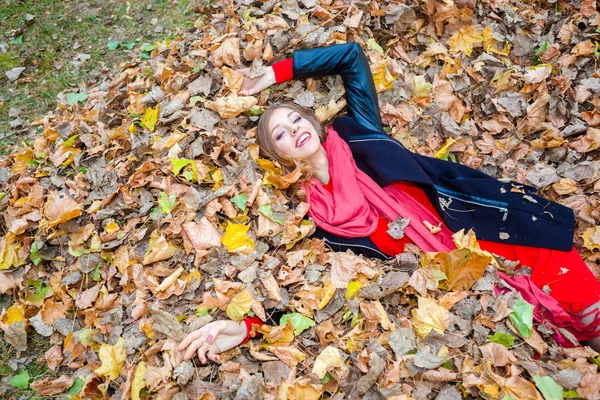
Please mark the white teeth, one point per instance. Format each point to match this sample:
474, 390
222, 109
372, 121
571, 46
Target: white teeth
304, 138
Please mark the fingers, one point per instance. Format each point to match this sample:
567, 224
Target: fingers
201, 352
191, 349
212, 355
192, 336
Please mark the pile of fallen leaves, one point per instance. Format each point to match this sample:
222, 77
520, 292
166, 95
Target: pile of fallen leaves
146, 211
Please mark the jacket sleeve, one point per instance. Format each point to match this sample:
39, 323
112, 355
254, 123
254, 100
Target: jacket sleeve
350, 62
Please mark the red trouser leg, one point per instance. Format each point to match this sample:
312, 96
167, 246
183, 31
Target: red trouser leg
565, 273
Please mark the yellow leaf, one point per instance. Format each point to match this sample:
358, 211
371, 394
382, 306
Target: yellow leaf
443, 152
325, 294
464, 40
240, 305
329, 359
353, 288
277, 336
591, 238
8, 253
112, 358
430, 316
231, 106
14, 313
268, 166
381, 76
111, 227
300, 391
490, 45
150, 117
22, 161
236, 240
325, 113
158, 249
139, 381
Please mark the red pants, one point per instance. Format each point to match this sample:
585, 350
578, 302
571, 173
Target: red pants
565, 273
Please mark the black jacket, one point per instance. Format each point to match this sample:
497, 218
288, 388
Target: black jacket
464, 197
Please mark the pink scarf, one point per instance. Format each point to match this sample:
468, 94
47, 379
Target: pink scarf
353, 208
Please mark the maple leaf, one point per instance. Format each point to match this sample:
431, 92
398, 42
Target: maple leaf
429, 316
464, 39
112, 358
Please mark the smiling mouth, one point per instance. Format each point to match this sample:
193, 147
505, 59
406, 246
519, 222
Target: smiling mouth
303, 138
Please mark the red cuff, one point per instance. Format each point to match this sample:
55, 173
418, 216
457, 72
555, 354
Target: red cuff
283, 70
249, 321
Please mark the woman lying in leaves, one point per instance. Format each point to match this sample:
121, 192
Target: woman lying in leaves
370, 194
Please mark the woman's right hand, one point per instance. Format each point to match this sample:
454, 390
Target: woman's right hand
252, 86
212, 339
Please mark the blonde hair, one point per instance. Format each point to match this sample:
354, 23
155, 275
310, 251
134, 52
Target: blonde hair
288, 165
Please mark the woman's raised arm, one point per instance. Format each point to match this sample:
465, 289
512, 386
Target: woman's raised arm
346, 59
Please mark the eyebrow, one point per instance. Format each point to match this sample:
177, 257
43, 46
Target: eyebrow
290, 113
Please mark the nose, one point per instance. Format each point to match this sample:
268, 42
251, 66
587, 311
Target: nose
294, 130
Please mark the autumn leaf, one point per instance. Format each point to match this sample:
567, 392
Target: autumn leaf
203, 235
159, 249
464, 39
236, 239
139, 381
591, 238
240, 305
60, 208
462, 268
231, 106
429, 316
150, 117
112, 358
328, 360
381, 76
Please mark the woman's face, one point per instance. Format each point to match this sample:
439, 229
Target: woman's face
293, 135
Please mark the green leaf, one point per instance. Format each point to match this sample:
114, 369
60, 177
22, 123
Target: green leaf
299, 322
570, 394
21, 380
195, 99
77, 386
73, 98
505, 339
507, 397
129, 45
373, 45
166, 203
267, 211
255, 111
202, 312
240, 201
69, 142
37, 297
549, 388
17, 40
83, 170
179, 164
147, 47
522, 317
326, 378
113, 44
96, 274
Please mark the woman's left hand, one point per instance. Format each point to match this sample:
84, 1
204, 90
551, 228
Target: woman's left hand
212, 339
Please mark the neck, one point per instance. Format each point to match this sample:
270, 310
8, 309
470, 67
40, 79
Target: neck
320, 165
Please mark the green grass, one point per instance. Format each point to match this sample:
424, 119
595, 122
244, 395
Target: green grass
37, 369
62, 29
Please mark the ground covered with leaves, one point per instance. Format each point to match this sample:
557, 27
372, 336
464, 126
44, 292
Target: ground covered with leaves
147, 212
